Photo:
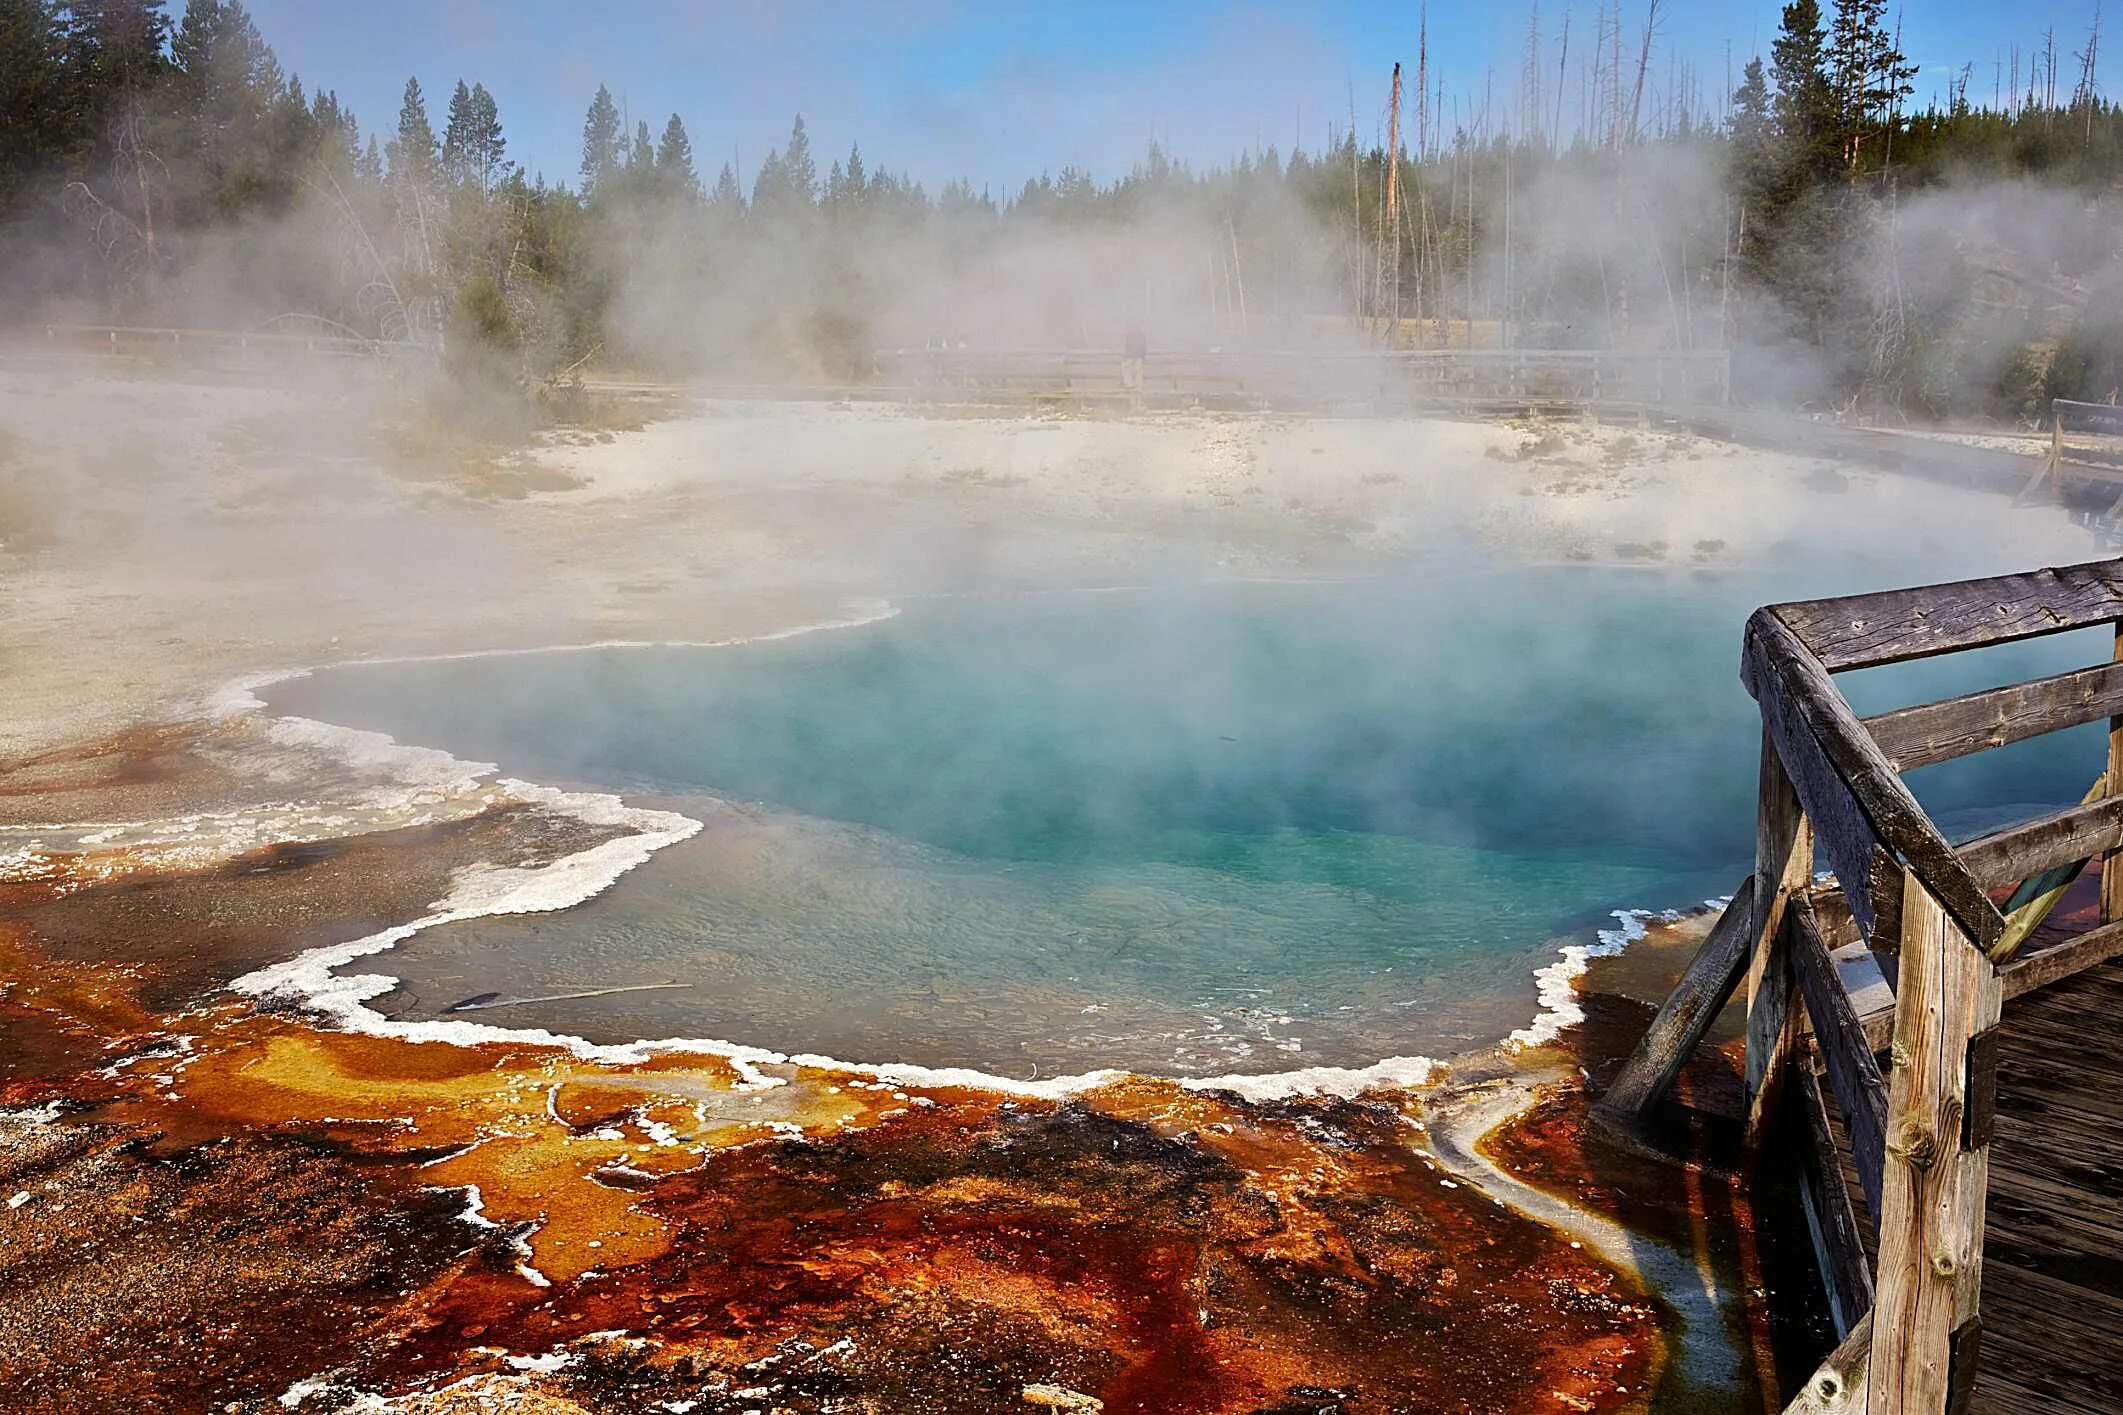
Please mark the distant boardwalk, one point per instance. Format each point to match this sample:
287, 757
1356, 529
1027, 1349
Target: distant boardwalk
240, 347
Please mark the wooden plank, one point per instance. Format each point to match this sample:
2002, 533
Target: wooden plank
2106, 416
1963, 1349
2074, 955
2076, 833
2038, 895
1860, 1091
1839, 1250
1886, 935
1975, 722
1857, 631
1812, 725
2044, 1343
2024, 975
1783, 864
1711, 977
1933, 1188
1831, 808
2112, 879
1838, 1384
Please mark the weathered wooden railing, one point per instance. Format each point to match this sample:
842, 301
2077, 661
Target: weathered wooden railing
261, 345
1919, 1131
2085, 448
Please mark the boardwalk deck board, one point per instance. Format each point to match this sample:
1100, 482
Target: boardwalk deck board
2054, 1237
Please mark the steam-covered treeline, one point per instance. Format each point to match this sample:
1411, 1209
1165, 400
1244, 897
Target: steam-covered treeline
1958, 257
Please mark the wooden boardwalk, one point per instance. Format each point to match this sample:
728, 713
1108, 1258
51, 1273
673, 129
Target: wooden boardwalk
2053, 1240
2053, 1245
1958, 1158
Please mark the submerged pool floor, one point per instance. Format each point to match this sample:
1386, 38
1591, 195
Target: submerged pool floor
1190, 831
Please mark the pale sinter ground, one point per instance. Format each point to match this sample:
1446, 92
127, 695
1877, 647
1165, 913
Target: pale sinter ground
162, 537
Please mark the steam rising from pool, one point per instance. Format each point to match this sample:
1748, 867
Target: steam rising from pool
1198, 832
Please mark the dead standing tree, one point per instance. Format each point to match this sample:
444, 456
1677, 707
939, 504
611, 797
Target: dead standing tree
124, 241
378, 297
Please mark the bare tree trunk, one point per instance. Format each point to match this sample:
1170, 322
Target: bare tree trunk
1636, 99
1562, 67
1393, 196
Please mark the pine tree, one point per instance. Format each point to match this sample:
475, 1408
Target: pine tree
1808, 226
229, 111
1805, 103
674, 161
727, 197
292, 139
227, 72
457, 135
116, 46
1754, 135
602, 140
1868, 74
643, 157
114, 59
40, 131
412, 151
799, 173
338, 135
485, 144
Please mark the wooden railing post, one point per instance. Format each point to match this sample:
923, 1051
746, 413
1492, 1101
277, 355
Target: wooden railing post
1941, 1094
1689, 1010
2111, 865
1783, 864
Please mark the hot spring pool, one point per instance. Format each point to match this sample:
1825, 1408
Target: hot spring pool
1190, 831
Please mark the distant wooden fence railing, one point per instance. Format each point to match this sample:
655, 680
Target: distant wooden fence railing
2085, 446
1919, 1128
252, 343
1404, 376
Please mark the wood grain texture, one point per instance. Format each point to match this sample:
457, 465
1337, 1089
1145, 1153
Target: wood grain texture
1858, 631
1885, 940
1838, 1386
1957, 727
1783, 866
1832, 809
2112, 880
2060, 838
1858, 799
1933, 1189
1860, 1090
1840, 1248
2060, 961
1710, 978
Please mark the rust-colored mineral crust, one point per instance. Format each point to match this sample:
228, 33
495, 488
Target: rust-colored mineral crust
203, 1205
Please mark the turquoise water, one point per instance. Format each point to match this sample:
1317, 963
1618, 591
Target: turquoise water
1188, 830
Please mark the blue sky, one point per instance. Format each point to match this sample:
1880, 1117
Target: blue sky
1000, 91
